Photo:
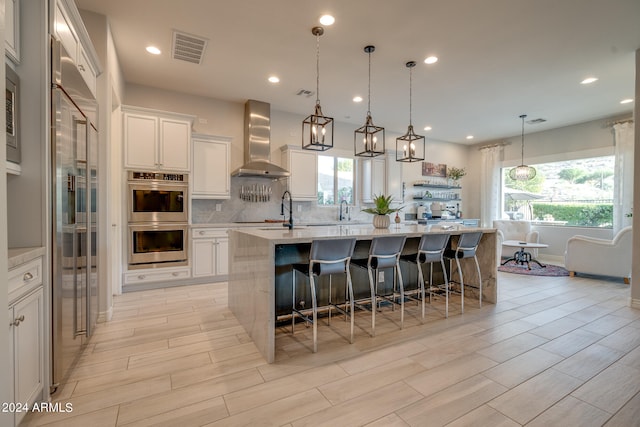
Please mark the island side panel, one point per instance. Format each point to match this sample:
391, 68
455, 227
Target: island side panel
252, 288
488, 261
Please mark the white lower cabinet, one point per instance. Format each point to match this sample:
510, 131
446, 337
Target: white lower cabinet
26, 334
209, 252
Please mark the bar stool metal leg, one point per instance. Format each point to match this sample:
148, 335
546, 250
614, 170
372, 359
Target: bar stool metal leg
467, 248
314, 305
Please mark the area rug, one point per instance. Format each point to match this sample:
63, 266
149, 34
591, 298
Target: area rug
536, 270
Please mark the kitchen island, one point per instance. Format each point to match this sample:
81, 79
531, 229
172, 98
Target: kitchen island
260, 268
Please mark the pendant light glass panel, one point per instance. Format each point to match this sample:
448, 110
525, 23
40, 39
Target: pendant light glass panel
368, 140
317, 129
522, 172
410, 147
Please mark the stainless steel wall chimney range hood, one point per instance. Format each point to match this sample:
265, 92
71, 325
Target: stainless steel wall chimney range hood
257, 143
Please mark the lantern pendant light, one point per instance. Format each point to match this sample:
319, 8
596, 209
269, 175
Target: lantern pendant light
522, 172
368, 140
410, 147
317, 129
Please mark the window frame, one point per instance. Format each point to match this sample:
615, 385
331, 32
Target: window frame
556, 158
336, 155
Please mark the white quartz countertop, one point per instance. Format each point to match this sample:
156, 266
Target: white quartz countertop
305, 234
19, 256
261, 224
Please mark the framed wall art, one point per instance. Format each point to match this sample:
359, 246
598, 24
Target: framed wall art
434, 169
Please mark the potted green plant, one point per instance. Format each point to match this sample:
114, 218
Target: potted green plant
382, 210
454, 174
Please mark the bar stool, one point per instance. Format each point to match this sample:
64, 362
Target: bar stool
384, 252
326, 257
430, 249
467, 248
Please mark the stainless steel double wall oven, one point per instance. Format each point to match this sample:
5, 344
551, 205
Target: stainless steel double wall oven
158, 211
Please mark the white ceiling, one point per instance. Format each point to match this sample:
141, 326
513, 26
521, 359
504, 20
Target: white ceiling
498, 58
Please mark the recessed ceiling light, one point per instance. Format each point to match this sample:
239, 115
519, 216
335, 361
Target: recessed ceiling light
153, 50
427, 128
274, 79
626, 101
469, 136
327, 20
431, 60
357, 99
589, 80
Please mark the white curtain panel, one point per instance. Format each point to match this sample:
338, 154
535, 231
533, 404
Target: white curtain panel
490, 184
623, 187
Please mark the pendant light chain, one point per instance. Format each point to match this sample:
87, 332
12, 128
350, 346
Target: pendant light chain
410, 91
522, 140
369, 87
318, 69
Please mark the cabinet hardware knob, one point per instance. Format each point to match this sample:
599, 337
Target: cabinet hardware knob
27, 276
201, 233
175, 273
18, 320
141, 277
81, 67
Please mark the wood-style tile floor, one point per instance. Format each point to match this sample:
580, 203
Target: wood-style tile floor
553, 352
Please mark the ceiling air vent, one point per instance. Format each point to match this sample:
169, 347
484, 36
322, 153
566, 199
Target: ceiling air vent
305, 92
536, 121
187, 47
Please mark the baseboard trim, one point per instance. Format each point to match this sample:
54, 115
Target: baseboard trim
105, 316
170, 284
635, 303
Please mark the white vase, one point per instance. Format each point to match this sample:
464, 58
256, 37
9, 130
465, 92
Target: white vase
381, 221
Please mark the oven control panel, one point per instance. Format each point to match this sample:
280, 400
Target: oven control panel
157, 176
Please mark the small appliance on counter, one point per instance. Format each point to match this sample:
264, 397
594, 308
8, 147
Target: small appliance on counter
424, 212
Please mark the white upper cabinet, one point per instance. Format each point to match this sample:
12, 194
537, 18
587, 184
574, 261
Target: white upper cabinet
393, 173
210, 167
303, 166
12, 30
175, 144
156, 140
70, 31
372, 178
